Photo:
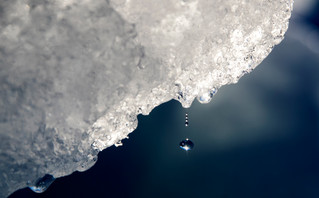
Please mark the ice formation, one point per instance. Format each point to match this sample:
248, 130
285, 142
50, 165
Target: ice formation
75, 74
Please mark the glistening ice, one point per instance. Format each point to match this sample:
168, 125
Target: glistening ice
75, 74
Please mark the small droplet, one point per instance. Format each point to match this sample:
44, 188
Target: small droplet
206, 97
42, 184
187, 144
186, 123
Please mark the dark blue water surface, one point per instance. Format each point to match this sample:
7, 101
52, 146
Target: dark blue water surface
256, 139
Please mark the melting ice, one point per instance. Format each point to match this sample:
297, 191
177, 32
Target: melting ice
74, 74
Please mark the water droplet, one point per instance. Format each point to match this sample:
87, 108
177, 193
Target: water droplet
187, 144
42, 184
206, 97
118, 143
186, 123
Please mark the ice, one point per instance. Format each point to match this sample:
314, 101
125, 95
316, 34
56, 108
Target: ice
74, 74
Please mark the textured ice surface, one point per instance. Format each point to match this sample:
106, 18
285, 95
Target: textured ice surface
74, 74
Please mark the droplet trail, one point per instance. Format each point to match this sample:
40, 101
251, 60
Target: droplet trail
186, 119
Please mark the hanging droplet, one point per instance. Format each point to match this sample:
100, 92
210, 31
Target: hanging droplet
187, 144
118, 143
42, 184
206, 97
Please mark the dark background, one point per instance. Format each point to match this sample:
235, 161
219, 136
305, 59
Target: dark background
258, 138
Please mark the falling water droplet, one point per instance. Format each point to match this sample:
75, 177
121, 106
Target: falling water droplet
187, 144
42, 184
